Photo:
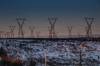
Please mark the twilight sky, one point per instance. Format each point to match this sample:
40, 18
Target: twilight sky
37, 11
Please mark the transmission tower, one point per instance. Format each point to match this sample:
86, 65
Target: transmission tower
12, 28
86, 30
49, 32
69, 31
52, 21
89, 22
32, 31
20, 22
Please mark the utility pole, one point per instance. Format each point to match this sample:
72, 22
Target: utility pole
89, 22
32, 31
12, 28
52, 21
20, 22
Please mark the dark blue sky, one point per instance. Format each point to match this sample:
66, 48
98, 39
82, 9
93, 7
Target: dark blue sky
37, 12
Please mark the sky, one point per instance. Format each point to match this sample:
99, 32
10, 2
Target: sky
68, 12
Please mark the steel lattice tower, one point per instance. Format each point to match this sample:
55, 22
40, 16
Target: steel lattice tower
20, 22
89, 22
52, 21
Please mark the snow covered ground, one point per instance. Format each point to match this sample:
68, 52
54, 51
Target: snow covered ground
54, 53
